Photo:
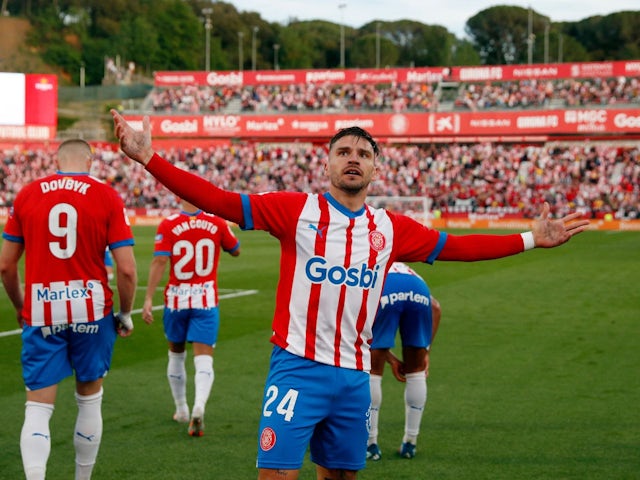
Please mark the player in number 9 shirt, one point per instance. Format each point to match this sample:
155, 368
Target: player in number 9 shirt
62, 224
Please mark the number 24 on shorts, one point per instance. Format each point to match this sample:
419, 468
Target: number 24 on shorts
285, 406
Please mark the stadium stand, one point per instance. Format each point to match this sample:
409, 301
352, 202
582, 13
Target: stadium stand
514, 137
400, 97
506, 180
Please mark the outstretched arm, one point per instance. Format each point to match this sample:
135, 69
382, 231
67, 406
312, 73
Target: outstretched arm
194, 189
136, 145
548, 233
545, 233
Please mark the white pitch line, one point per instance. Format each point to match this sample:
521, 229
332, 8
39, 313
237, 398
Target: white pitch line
241, 293
11, 332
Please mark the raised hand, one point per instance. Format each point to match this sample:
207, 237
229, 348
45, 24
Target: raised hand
135, 144
549, 233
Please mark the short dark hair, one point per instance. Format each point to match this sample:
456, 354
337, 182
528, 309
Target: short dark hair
356, 132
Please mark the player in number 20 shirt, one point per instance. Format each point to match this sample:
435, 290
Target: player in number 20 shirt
190, 242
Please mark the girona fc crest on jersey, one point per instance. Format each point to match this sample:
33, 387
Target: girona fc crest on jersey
267, 439
377, 240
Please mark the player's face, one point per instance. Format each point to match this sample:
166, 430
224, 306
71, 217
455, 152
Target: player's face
351, 165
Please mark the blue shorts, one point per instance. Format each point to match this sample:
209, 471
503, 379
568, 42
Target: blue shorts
192, 325
307, 403
50, 354
405, 304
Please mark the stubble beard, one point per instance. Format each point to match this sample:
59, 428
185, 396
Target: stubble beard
351, 189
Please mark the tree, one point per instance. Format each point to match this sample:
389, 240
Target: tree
363, 52
500, 34
181, 44
612, 37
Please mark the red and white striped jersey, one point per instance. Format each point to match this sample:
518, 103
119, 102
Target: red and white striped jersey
193, 242
332, 270
66, 221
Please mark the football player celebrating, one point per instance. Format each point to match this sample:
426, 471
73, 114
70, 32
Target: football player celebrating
335, 252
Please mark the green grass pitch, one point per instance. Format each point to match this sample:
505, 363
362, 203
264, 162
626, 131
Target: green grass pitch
535, 374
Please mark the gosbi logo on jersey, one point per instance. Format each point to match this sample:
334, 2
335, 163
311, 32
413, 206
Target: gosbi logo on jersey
267, 439
377, 240
360, 276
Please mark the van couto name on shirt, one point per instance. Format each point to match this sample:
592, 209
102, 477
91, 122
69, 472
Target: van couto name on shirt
194, 223
65, 184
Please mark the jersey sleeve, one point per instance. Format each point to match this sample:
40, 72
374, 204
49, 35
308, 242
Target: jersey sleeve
12, 230
162, 242
415, 242
197, 190
120, 233
471, 248
228, 241
275, 212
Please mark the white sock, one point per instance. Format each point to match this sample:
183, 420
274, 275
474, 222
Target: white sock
88, 433
177, 375
204, 381
35, 439
415, 398
375, 384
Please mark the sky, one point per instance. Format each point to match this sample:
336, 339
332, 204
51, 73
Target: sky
451, 14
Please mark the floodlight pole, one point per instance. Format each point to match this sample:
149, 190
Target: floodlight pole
253, 48
276, 47
341, 7
377, 44
240, 49
530, 38
207, 26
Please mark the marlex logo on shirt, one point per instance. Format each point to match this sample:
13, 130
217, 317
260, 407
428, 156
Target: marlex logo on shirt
361, 276
48, 294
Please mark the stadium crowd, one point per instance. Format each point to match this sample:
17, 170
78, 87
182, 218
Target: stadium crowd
541, 94
597, 179
396, 97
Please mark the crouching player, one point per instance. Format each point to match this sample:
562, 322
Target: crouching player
406, 305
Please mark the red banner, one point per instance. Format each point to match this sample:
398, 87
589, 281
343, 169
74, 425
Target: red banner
401, 75
29, 106
407, 126
41, 99
292, 77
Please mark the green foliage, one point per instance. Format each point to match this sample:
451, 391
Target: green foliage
500, 34
182, 38
533, 375
170, 35
610, 37
62, 55
464, 54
